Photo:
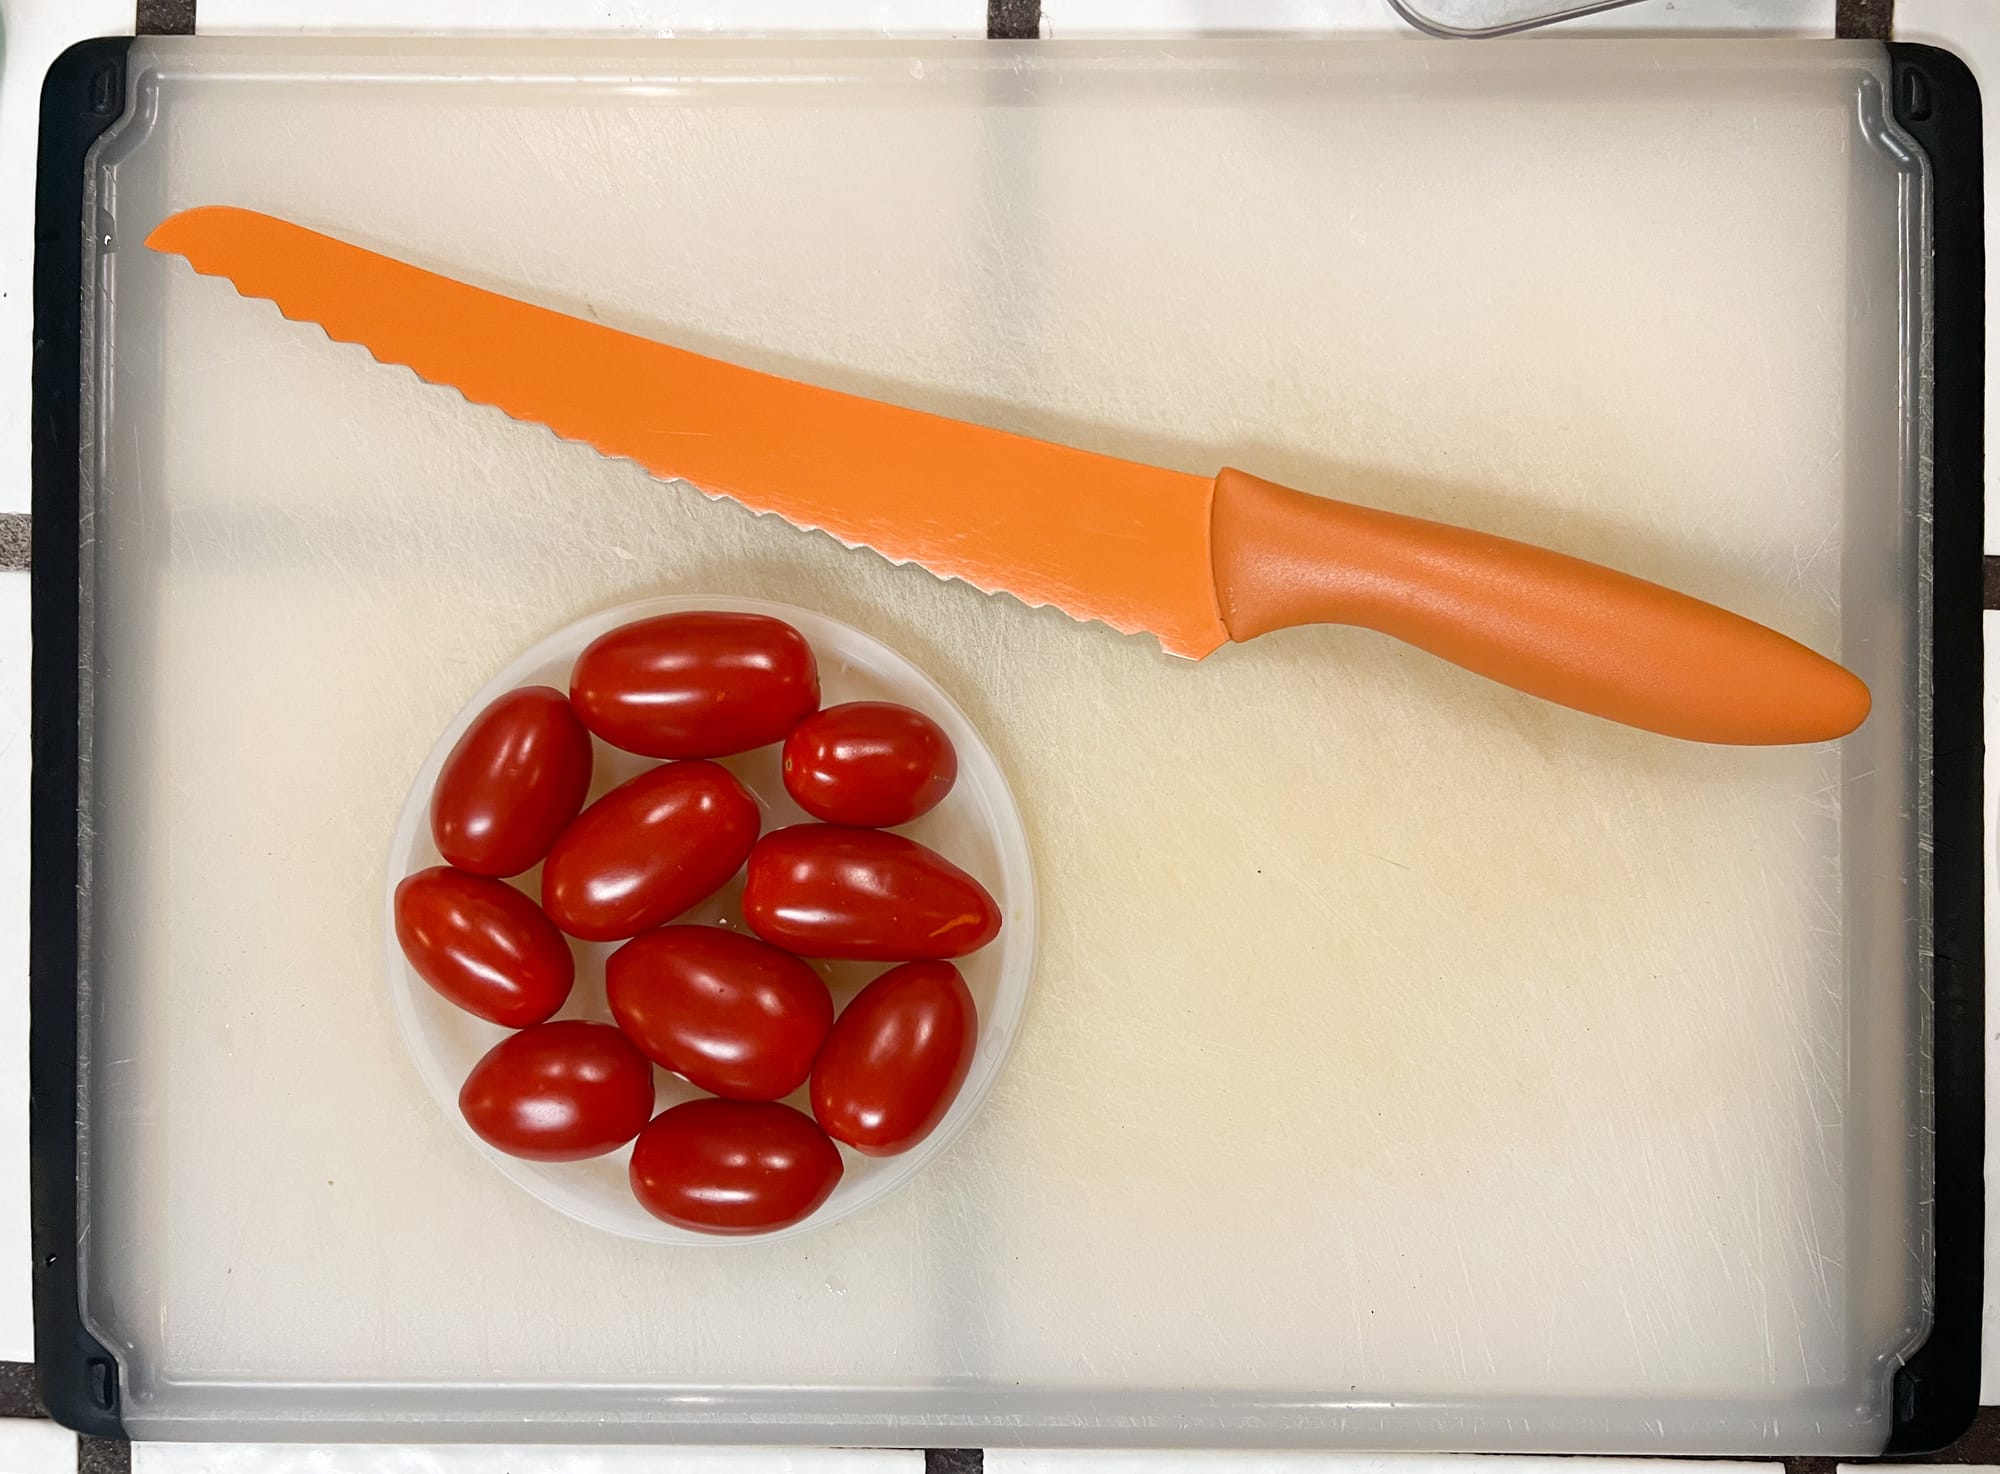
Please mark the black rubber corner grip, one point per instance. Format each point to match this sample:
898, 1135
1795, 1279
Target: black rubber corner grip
83, 94
1935, 1394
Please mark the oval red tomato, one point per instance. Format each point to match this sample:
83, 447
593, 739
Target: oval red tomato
648, 850
738, 1018
822, 890
483, 945
559, 1092
896, 1057
511, 783
869, 763
733, 1166
700, 684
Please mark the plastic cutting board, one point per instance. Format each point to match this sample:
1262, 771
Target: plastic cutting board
1410, 1064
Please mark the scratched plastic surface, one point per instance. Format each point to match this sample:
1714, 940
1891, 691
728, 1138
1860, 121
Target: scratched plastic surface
1409, 1065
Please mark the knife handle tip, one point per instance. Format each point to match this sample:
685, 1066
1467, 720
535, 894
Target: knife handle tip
1556, 627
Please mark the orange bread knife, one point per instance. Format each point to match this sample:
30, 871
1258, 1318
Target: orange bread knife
1197, 562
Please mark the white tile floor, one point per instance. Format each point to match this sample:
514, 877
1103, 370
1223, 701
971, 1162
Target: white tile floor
1013, 1461
1990, 1360
36, 1448
623, 17
1074, 18
1018, 1461
16, 1340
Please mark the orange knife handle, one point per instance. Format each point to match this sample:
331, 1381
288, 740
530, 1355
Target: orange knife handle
1550, 625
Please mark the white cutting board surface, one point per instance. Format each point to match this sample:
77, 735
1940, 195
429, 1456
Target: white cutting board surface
1399, 1043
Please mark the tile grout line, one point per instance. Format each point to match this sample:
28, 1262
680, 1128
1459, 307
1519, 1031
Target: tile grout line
164, 18
17, 540
1013, 20
1863, 20
103, 1456
19, 1396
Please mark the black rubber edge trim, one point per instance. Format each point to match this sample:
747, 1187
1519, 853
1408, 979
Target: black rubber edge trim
83, 95
1936, 1392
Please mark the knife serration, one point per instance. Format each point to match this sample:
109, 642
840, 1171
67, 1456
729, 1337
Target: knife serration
1099, 537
